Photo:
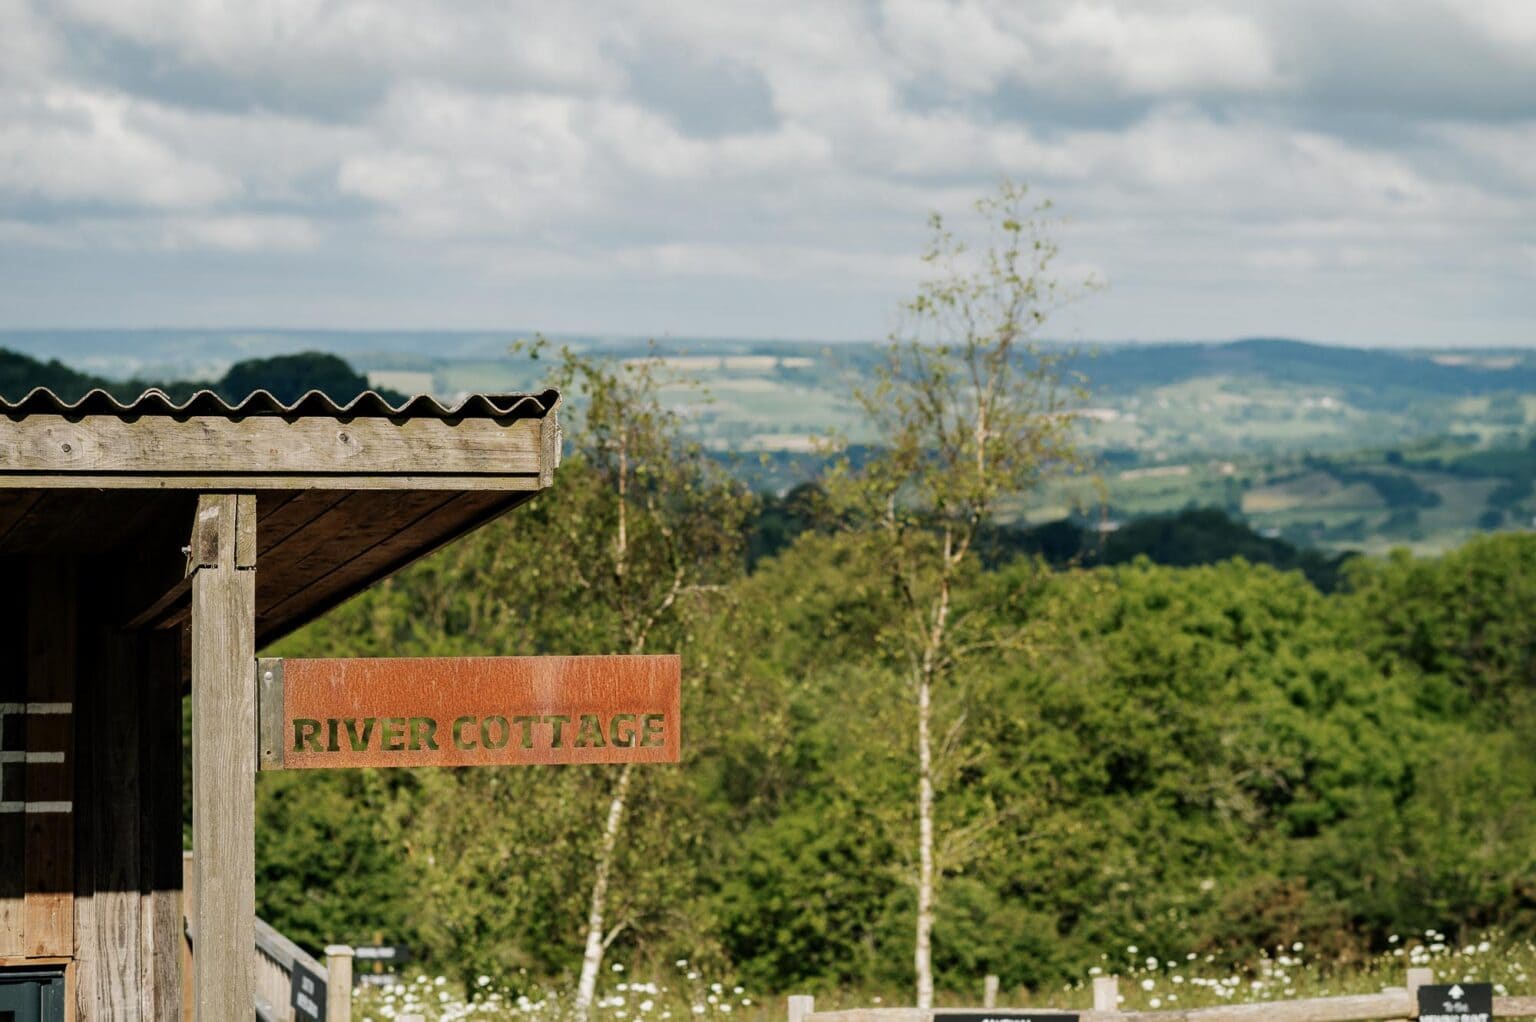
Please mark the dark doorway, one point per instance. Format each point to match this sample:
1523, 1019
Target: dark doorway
31, 996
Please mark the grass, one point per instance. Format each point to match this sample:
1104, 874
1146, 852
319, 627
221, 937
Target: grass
1289, 973
1147, 983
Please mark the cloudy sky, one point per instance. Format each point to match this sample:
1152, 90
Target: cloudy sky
1350, 171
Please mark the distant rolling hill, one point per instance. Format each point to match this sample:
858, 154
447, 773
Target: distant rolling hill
1148, 402
1344, 448
1363, 371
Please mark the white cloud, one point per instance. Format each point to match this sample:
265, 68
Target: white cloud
512, 140
241, 233
170, 233
1508, 24
28, 46
69, 145
320, 41
1156, 50
963, 43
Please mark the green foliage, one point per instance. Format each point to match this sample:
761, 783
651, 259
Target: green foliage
1209, 758
1186, 538
1462, 622
628, 554
20, 374
1202, 758
970, 412
290, 377
327, 859
1205, 758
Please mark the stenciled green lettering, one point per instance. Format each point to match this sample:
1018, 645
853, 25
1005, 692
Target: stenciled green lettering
622, 739
589, 733
556, 722
331, 742
306, 732
394, 734
423, 732
526, 722
459, 740
359, 740
500, 727
652, 730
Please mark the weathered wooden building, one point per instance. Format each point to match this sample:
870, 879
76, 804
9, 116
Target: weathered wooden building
151, 547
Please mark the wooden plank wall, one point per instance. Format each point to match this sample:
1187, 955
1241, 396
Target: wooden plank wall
90, 749
128, 833
13, 751
48, 912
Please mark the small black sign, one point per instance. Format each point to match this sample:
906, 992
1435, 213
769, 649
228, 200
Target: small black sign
1456, 1002
389, 954
307, 994
1005, 1015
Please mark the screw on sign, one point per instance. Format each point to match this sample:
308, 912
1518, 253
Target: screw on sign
1458, 1002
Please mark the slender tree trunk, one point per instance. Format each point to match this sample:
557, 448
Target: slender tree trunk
592, 958
922, 958
933, 648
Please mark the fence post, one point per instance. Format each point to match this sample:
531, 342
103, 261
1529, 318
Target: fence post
1106, 993
989, 991
800, 1005
338, 983
1417, 977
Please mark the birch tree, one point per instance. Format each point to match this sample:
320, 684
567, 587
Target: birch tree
660, 531
969, 413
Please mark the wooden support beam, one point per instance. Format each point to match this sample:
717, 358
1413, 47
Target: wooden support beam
513, 481
173, 449
224, 756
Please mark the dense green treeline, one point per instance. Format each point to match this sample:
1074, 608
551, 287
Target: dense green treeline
1203, 758
289, 377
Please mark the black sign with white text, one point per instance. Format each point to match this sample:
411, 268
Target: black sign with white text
1004, 1015
1456, 1002
306, 993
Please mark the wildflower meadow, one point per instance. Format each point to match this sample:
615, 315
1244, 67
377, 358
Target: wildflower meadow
680, 993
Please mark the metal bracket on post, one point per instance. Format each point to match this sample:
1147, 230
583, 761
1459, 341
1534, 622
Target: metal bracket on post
269, 713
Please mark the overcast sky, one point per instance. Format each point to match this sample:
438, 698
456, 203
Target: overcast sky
1349, 171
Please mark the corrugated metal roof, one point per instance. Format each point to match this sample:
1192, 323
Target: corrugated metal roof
369, 404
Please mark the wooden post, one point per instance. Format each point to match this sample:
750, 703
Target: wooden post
188, 912
1417, 977
1106, 993
222, 559
989, 991
800, 1005
338, 983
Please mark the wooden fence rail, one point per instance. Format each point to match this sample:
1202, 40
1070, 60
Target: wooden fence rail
276, 959
1391, 1005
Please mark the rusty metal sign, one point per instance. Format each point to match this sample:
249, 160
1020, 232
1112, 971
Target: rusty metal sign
468, 711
